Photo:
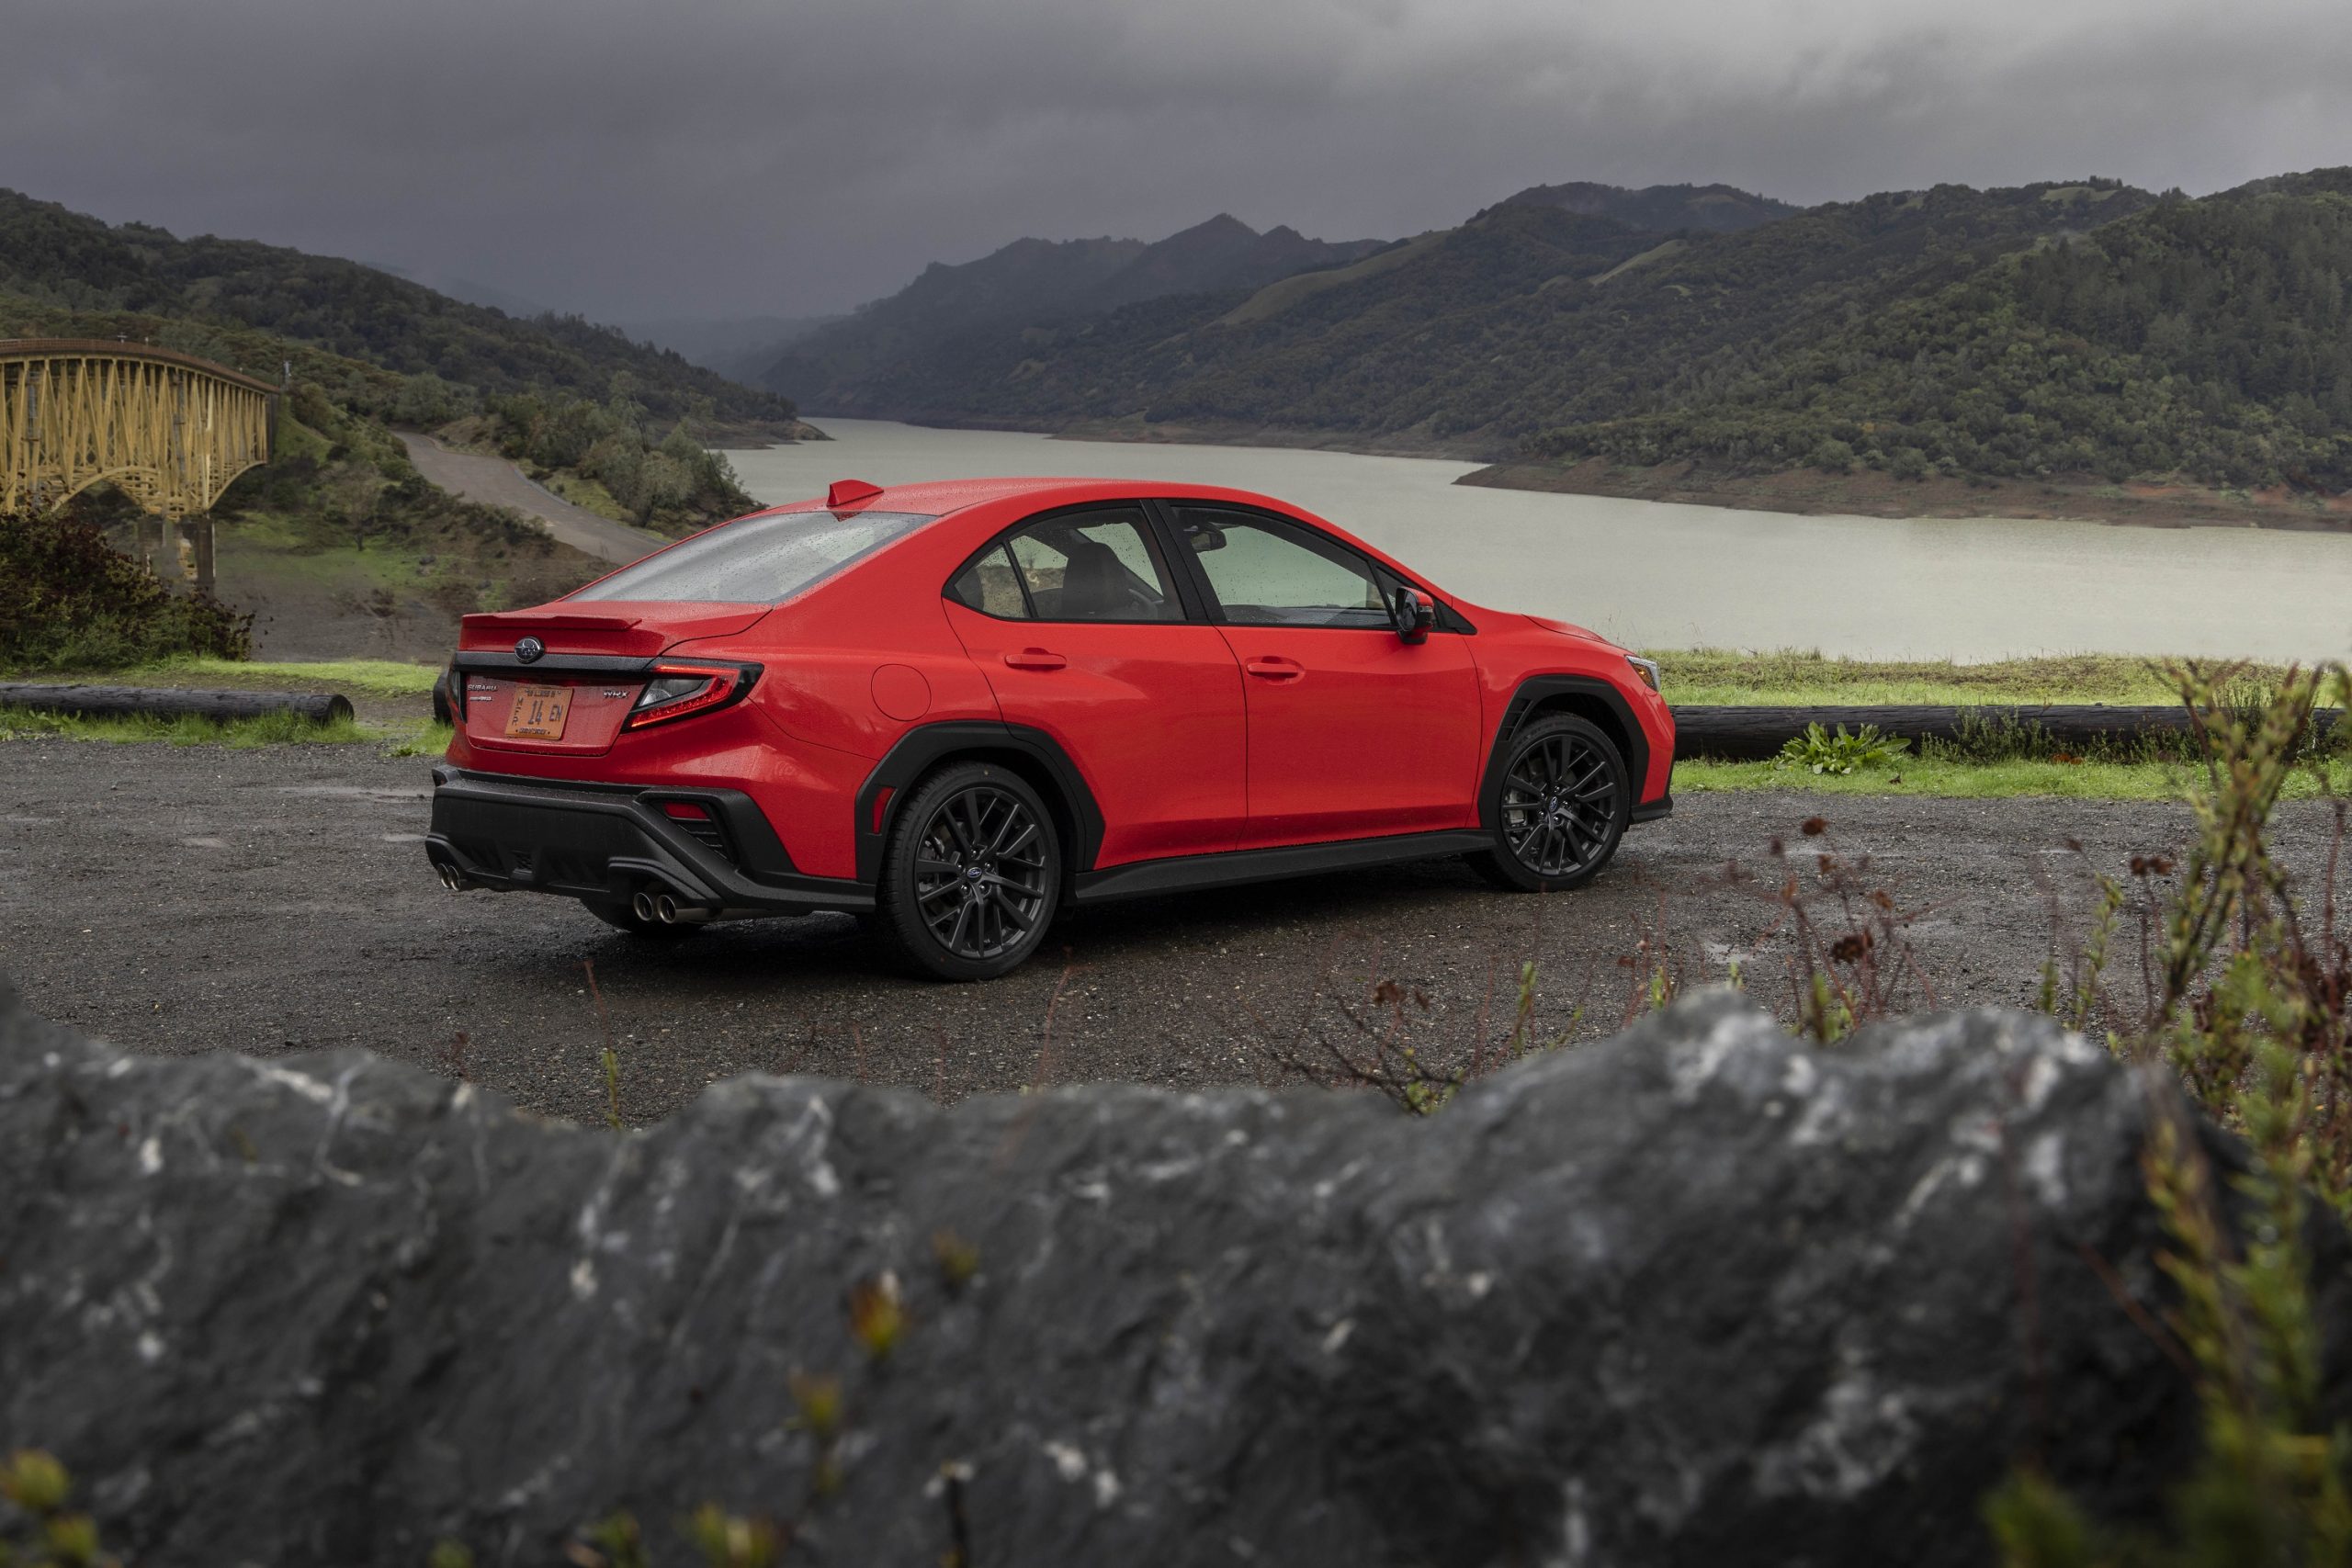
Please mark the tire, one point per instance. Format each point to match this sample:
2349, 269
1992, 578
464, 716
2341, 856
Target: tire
621, 918
971, 875
1566, 801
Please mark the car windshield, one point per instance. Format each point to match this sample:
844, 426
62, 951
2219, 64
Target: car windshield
763, 560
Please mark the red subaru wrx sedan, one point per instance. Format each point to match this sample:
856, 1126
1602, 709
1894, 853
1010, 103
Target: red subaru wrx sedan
961, 708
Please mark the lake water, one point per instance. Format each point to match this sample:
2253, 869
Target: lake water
1651, 574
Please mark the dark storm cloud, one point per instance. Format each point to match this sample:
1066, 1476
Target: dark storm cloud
703, 157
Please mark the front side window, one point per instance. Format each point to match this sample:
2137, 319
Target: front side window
1267, 573
1088, 566
763, 559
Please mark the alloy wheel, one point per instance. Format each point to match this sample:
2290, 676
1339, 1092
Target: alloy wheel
1560, 802
980, 872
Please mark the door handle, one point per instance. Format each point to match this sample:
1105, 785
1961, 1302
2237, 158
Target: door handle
1035, 659
1273, 669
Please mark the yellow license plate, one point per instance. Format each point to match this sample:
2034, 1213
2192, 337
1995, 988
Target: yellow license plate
539, 713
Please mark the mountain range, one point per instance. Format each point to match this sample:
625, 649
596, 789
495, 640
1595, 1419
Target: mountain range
1027, 285
2076, 327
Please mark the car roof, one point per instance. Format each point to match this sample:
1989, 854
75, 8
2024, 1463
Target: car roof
940, 497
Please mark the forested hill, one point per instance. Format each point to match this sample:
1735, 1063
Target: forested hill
57, 266
1666, 208
1528, 319
861, 364
2207, 339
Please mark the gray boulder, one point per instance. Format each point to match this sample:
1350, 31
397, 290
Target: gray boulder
1697, 1294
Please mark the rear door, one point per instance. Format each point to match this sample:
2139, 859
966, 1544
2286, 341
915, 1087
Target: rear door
1354, 733
1078, 623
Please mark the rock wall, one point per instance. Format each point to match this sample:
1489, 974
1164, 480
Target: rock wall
1697, 1294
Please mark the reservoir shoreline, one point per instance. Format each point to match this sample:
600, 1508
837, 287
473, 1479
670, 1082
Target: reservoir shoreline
1674, 574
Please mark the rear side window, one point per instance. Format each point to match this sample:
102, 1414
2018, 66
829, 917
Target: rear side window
1087, 566
992, 586
758, 560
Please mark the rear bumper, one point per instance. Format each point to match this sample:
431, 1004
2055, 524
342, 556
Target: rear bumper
609, 842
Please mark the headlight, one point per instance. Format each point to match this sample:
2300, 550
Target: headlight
1646, 669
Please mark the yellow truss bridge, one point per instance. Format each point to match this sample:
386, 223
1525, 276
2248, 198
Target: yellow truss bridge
168, 430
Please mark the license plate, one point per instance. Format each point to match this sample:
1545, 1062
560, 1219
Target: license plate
539, 713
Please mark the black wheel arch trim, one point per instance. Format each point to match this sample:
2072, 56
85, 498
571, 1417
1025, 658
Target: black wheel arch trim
923, 748
1538, 689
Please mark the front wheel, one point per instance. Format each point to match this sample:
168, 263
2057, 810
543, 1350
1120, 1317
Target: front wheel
971, 875
1566, 799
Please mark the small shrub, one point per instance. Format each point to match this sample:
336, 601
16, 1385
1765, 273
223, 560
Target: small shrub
1833, 456
69, 601
2247, 991
1821, 751
37, 1529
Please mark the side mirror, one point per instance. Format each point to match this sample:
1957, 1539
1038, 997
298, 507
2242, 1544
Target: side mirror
1412, 614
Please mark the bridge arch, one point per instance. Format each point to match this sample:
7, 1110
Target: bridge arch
170, 430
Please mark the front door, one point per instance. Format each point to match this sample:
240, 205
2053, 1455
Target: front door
1076, 623
1354, 733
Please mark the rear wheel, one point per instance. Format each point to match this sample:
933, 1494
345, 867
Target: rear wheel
971, 875
620, 917
1566, 799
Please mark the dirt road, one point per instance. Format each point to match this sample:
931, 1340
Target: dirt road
187, 899
493, 481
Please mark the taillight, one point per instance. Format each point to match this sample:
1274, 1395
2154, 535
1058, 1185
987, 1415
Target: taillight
453, 689
680, 690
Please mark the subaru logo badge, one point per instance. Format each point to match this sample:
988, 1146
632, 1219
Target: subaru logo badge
529, 650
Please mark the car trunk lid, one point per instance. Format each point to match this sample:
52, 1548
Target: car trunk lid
560, 682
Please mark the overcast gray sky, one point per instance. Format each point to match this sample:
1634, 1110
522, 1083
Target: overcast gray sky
642, 158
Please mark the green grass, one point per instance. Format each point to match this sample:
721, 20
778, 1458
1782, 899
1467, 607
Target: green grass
1986, 781
416, 737
1712, 676
271, 729
382, 677
427, 739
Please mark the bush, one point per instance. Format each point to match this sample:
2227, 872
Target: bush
68, 601
1817, 751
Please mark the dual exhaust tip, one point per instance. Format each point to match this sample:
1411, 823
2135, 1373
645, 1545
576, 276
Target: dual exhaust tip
655, 905
659, 906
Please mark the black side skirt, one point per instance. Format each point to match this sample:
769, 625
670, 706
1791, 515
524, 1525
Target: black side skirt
1236, 867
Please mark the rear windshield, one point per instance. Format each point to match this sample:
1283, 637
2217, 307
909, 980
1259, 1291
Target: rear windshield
758, 560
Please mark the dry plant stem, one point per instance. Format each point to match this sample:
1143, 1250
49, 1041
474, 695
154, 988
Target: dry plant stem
1043, 1075
612, 1059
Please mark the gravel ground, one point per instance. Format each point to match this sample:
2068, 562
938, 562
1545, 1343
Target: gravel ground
183, 899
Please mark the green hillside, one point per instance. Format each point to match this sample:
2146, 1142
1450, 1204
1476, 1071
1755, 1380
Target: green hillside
338, 543
59, 265
875, 361
2206, 339
1526, 320
1666, 208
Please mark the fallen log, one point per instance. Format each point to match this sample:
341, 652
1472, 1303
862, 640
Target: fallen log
1752, 734
155, 701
